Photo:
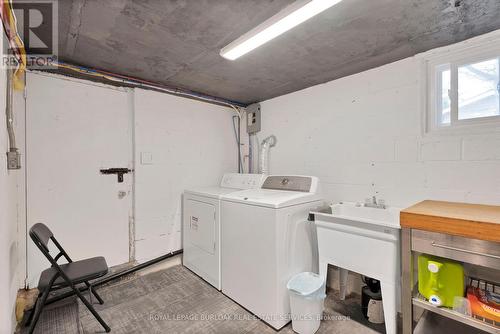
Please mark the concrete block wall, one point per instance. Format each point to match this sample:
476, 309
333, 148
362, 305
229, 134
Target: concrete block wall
363, 135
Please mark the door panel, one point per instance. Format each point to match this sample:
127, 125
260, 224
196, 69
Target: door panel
74, 129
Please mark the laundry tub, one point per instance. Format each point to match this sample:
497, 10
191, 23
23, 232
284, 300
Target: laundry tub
366, 241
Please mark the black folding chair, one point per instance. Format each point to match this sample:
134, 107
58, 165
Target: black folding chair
63, 276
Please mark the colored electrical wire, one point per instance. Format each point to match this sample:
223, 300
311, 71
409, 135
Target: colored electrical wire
16, 44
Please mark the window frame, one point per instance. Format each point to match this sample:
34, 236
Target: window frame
435, 64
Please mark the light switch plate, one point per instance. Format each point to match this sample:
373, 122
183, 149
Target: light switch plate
146, 158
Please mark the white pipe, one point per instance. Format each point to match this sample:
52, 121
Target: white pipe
343, 282
264, 154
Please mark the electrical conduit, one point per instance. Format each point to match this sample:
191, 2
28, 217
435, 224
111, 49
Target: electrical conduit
8, 113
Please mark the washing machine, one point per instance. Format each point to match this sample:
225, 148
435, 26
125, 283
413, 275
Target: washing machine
201, 224
266, 239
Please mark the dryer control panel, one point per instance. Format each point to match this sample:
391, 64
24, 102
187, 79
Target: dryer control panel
242, 181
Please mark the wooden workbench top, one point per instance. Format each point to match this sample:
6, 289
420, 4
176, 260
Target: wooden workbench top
466, 220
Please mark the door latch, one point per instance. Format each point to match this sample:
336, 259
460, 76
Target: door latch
117, 171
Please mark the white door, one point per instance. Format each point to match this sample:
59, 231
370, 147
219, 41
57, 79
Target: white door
74, 129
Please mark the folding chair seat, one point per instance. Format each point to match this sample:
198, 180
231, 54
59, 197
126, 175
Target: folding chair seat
64, 275
77, 272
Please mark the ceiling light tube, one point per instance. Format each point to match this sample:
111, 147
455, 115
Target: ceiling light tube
291, 16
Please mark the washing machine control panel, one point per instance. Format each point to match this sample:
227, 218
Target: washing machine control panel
242, 181
308, 184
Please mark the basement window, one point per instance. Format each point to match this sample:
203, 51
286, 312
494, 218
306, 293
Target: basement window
464, 92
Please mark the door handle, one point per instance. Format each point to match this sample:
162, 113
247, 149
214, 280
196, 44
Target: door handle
117, 171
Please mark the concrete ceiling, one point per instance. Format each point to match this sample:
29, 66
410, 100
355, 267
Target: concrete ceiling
177, 43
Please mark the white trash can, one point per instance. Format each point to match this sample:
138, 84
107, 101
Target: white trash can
307, 296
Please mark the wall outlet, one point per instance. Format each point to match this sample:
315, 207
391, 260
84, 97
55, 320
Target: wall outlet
13, 160
253, 118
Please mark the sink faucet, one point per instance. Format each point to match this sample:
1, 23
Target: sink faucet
374, 203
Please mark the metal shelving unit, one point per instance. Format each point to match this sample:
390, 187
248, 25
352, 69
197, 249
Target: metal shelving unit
477, 253
448, 313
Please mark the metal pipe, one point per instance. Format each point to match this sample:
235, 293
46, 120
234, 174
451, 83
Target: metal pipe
13, 156
8, 112
115, 276
139, 83
136, 268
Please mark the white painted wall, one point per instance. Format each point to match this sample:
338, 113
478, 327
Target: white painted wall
362, 135
191, 144
8, 224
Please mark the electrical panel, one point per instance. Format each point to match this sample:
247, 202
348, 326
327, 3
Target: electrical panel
253, 118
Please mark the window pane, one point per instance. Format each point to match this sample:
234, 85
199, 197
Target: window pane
478, 90
444, 102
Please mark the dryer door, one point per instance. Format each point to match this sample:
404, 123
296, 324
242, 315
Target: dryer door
201, 225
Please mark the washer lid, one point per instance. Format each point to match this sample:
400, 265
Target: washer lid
270, 198
212, 192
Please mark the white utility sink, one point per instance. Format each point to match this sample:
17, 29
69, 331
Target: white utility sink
357, 212
365, 240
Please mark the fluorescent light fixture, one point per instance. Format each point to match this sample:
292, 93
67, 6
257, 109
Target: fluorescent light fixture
291, 16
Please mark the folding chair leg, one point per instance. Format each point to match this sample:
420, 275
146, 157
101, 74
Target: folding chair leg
92, 290
92, 310
35, 315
